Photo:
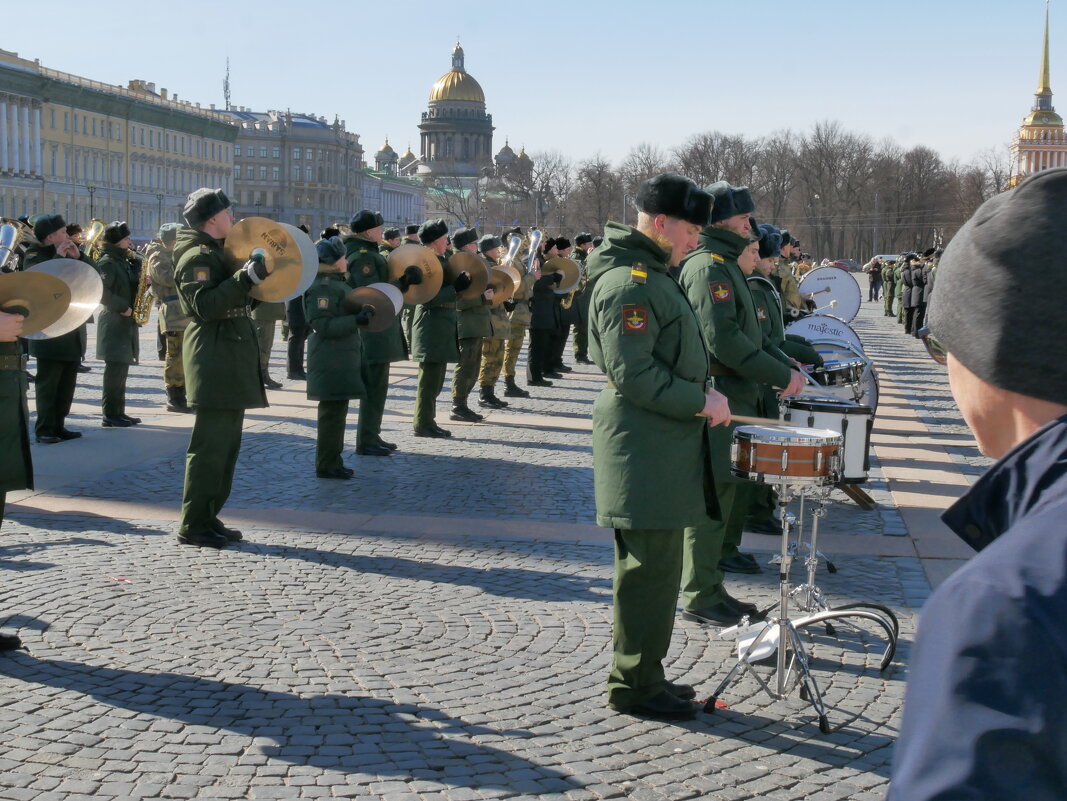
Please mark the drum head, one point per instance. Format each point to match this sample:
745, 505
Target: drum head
832, 285
824, 328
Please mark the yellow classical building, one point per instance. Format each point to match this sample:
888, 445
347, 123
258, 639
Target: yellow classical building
1040, 142
88, 149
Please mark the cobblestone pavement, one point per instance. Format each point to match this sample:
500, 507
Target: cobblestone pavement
310, 664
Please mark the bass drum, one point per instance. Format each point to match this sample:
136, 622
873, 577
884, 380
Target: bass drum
836, 341
832, 284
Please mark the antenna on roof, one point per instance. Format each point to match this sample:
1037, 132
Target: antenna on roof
226, 84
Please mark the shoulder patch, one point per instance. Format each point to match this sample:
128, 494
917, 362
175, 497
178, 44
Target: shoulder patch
204, 249
201, 274
721, 292
634, 319
717, 258
324, 303
366, 269
760, 313
639, 273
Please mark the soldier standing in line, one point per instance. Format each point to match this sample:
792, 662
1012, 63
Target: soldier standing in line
434, 342
116, 332
785, 282
583, 243
889, 286
172, 321
221, 354
913, 293
57, 358
473, 326
650, 433
367, 265
544, 323
411, 236
390, 241
334, 356
518, 309
713, 278
500, 329
902, 267
561, 247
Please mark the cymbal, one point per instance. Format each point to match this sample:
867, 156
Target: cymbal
502, 284
516, 276
428, 264
41, 298
572, 274
386, 300
463, 262
86, 289
292, 261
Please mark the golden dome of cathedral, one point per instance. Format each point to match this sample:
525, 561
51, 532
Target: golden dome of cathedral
457, 83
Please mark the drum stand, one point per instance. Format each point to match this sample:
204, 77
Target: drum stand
782, 634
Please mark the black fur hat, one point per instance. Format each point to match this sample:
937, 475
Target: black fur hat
729, 200
463, 237
770, 241
488, 242
412, 230
202, 205
432, 230
328, 232
45, 225
115, 232
365, 220
330, 249
391, 233
583, 239
562, 243
168, 232
675, 196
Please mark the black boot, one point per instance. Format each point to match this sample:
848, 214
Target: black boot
490, 400
176, 400
269, 382
513, 390
460, 411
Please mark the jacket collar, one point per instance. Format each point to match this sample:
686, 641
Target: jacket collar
724, 242
1023, 478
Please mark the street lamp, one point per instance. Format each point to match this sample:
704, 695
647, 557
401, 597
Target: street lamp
92, 191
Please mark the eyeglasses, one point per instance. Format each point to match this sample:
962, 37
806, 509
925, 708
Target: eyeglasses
933, 347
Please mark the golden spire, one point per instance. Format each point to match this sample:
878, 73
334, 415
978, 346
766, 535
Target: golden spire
1043, 87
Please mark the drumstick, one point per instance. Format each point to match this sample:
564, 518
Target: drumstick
763, 421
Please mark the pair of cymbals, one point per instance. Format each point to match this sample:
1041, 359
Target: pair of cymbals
568, 268
292, 261
426, 262
83, 290
463, 262
503, 283
385, 299
40, 298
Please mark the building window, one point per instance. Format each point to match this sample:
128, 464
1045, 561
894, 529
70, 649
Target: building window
296, 172
237, 171
307, 173
308, 154
53, 119
94, 126
296, 152
236, 150
53, 162
276, 173
262, 151
263, 173
213, 150
276, 152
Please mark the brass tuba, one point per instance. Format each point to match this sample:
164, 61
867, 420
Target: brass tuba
14, 234
513, 250
143, 298
94, 239
535, 243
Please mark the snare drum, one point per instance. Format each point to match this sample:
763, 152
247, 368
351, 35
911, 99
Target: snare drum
846, 372
854, 422
779, 455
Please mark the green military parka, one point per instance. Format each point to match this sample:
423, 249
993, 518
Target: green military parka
116, 334
335, 347
366, 265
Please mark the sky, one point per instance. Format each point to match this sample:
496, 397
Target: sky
584, 78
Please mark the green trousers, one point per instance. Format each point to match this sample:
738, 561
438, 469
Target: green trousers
173, 365
54, 394
648, 567
465, 375
701, 575
372, 406
492, 361
888, 302
265, 335
330, 440
113, 398
209, 466
431, 381
900, 314
581, 339
512, 349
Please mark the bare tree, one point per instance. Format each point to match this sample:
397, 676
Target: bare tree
642, 162
598, 195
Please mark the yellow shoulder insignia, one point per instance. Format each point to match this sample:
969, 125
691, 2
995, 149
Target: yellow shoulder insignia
718, 258
639, 273
204, 249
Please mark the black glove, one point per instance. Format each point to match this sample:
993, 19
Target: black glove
256, 268
412, 277
463, 280
364, 315
557, 278
509, 305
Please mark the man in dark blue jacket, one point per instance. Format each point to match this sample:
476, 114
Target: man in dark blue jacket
985, 715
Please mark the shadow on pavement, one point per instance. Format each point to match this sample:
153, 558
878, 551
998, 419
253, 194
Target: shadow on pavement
350, 734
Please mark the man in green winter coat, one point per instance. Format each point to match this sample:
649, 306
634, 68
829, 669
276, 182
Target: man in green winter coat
473, 326
583, 244
889, 286
434, 342
335, 356
741, 360
367, 265
651, 469
57, 358
116, 332
221, 354
493, 346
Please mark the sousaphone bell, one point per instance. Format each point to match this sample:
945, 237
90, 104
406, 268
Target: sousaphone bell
381, 301
39, 297
292, 261
568, 268
422, 259
86, 289
473, 266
